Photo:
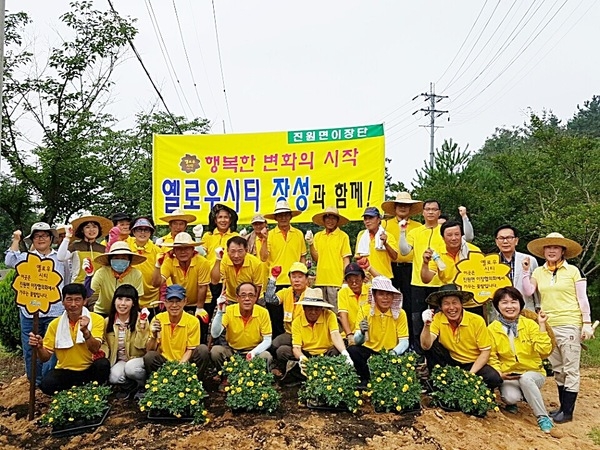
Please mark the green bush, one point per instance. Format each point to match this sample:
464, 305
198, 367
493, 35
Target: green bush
10, 328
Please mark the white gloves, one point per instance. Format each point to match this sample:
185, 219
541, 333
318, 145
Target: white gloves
427, 316
243, 232
155, 327
198, 231
348, 359
309, 238
219, 252
587, 331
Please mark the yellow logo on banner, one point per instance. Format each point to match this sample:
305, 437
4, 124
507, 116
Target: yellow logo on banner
311, 169
482, 275
36, 284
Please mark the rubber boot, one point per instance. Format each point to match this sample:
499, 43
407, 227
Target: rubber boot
568, 405
554, 412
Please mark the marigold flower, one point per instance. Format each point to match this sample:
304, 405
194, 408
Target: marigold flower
148, 404
71, 419
260, 403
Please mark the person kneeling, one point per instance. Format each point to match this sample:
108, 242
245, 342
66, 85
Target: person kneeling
518, 346
383, 326
455, 337
315, 332
248, 327
75, 337
175, 336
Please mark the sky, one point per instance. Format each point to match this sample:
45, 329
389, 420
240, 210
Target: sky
325, 64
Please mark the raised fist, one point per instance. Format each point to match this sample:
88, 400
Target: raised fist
276, 271
363, 263
427, 316
243, 232
198, 230
219, 252
87, 266
309, 238
525, 264
17, 235
68, 231
462, 211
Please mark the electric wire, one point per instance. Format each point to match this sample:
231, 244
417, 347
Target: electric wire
221, 65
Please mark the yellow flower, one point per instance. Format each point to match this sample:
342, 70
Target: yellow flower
147, 386
437, 366
95, 383
328, 372
165, 380
354, 411
260, 403
71, 419
86, 402
154, 389
195, 377
395, 399
96, 397
387, 374
149, 404
226, 388
443, 381
382, 375
481, 397
340, 389
410, 358
409, 379
238, 389
398, 408
181, 395
404, 374
489, 400
496, 409
51, 419
154, 382
378, 379
369, 385
193, 402
178, 415
405, 388
54, 401
309, 378
329, 387
356, 394
155, 375
142, 409
315, 373
382, 402
204, 413
360, 402
474, 401
394, 361
187, 389
250, 383
439, 378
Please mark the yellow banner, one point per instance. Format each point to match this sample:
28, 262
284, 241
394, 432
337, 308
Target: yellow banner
312, 169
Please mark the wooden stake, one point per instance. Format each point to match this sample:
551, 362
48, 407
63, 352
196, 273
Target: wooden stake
36, 322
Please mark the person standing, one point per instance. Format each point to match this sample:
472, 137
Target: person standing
140, 242
330, 249
374, 244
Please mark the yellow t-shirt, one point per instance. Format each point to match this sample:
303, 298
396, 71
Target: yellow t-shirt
448, 275
284, 251
104, 283
244, 336
379, 259
214, 240
290, 309
420, 239
531, 345
175, 340
264, 265
384, 332
151, 252
558, 297
392, 226
250, 271
197, 274
316, 338
78, 357
466, 343
348, 303
332, 249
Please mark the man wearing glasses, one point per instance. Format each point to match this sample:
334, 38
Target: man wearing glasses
175, 335
507, 239
248, 328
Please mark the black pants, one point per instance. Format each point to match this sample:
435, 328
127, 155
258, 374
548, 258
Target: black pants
360, 356
276, 315
438, 354
401, 281
61, 379
418, 305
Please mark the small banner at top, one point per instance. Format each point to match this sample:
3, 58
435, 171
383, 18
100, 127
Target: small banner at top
311, 169
482, 275
37, 284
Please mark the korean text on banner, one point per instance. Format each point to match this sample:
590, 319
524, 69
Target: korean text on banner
312, 169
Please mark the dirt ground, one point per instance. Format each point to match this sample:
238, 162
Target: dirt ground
297, 427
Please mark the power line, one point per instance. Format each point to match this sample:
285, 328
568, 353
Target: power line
188, 58
221, 65
139, 58
432, 113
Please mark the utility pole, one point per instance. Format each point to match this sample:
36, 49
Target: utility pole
432, 113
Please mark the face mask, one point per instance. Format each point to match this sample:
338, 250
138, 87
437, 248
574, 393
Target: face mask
119, 265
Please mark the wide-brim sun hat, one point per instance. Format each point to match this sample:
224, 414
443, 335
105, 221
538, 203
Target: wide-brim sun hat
178, 214
119, 248
381, 283
448, 290
105, 224
42, 226
318, 219
389, 207
314, 297
572, 248
282, 206
182, 239
258, 218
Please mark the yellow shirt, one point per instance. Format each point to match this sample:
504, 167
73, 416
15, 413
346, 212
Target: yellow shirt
245, 335
384, 332
348, 303
214, 240
332, 249
379, 259
264, 265
420, 239
466, 343
78, 357
392, 226
151, 252
290, 309
175, 340
316, 338
531, 347
104, 283
197, 274
283, 251
250, 271
558, 297
167, 239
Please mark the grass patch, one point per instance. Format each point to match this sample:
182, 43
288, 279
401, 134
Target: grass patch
591, 356
594, 435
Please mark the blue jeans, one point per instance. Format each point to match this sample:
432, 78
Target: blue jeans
26, 328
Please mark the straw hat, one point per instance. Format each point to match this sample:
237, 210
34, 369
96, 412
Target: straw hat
404, 198
178, 214
258, 218
105, 224
448, 290
282, 206
331, 210
572, 248
314, 297
42, 226
182, 239
119, 248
